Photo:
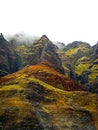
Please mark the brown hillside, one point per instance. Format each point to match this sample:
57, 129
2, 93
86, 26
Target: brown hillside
47, 74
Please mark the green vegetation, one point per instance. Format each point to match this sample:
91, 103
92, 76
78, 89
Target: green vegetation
45, 85
29, 103
94, 74
8, 87
84, 59
79, 69
40, 96
74, 51
71, 51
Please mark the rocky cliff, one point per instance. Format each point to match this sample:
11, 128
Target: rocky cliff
39, 96
15, 56
80, 63
7, 57
43, 50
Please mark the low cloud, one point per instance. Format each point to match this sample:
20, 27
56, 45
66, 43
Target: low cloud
22, 38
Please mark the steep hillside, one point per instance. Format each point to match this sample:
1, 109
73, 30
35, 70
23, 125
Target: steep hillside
39, 96
15, 56
93, 69
80, 63
46, 73
29, 103
7, 57
71, 54
79, 59
43, 50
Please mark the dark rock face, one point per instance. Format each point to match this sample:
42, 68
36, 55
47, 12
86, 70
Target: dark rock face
44, 50
76, 44
14, 56
80, 61
7, 57
95, 51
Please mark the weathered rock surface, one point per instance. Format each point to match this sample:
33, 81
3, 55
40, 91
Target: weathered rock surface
7, 57
80, 62
44, 50
14, 56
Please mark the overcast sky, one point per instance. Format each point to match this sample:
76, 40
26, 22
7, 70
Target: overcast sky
60, 20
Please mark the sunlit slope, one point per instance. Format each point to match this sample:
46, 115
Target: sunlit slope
46, 73
27, 102
80, 62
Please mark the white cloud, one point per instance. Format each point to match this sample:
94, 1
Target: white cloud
61, 20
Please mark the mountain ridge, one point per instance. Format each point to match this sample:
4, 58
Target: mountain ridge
78, 60
40, 94
80, 63
41, 50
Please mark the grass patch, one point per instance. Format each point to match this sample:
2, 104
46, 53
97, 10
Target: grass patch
94, 73
10, 87
45, 85
74, 51
79, 69
71, 51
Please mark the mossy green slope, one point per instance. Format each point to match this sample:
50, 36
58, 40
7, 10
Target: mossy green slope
81, 60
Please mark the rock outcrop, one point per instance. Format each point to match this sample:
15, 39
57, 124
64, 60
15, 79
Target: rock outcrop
15, 56
43, 50
7, 57
80, 62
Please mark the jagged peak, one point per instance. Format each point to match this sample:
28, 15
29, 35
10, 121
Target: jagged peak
44, 37
43, 40
2, 39
1, 35
76, 44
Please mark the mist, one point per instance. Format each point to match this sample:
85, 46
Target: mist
22, 38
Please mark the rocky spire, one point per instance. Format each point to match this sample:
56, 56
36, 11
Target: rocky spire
1, 37
44, 37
